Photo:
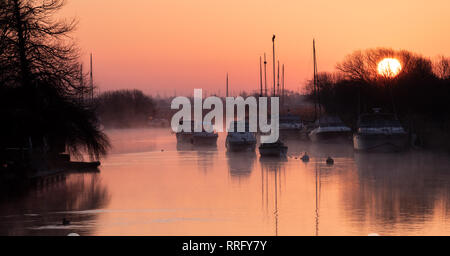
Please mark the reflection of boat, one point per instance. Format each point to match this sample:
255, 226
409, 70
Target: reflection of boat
380, 132
238, 140
197, 138
277, 149
240, 164
330, 129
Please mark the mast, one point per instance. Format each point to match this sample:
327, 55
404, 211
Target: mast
91, 79
227, 86
273, 48
278, 79
282, 87
315, 79
260, 78
265, 75
81, 83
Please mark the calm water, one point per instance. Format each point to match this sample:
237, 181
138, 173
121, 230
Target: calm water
149, 186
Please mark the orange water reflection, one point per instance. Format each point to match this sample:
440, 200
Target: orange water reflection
155, 187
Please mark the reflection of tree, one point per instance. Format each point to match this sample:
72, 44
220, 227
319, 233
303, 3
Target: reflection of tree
41, 210
399, 188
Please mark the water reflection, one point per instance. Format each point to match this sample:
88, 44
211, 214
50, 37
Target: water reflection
400, 189
272, 171
41, 210
240, 164
152, 186
205, 154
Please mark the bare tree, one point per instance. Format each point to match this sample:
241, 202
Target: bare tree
38, 46
41, 74
441, 67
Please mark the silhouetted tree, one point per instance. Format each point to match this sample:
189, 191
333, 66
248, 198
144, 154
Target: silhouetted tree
418, 94
441, 67
40, 78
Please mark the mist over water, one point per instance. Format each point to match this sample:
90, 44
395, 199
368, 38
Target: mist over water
149, 185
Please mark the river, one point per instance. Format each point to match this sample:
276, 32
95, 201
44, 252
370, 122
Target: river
150, 186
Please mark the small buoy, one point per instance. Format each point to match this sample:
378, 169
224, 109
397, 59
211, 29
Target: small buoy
330, 160
65, 222
162, 150
305, 157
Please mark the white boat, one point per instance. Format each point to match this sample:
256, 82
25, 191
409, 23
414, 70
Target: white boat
197, 138
380, 132
290, 123
330, 129
240, 141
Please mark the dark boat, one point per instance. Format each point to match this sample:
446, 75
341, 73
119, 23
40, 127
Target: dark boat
240, 141
276, 149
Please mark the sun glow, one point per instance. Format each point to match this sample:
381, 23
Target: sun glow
389, 67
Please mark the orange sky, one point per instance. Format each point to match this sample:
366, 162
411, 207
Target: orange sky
161, 46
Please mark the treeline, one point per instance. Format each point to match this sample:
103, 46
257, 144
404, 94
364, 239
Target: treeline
125, 108
419, 94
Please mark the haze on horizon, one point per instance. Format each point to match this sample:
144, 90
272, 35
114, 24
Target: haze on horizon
163, 46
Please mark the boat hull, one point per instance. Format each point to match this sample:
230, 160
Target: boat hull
236, 146
273, 152
380, 142
185, 138
204, 140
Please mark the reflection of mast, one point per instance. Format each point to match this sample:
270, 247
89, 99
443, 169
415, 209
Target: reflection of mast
276, 203
276, 168
317, 198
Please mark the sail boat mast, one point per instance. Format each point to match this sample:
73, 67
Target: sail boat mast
278, 79
260, 78
227, 86
315, 80
273, 48
282, 87
91, 79
265, 75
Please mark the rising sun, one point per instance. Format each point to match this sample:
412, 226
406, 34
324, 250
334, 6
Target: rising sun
389, 67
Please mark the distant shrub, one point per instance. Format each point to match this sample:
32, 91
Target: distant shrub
125, 108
